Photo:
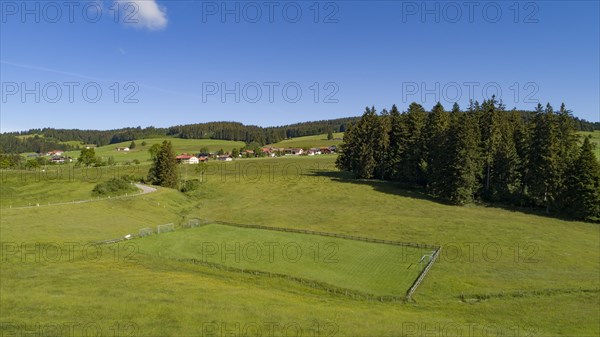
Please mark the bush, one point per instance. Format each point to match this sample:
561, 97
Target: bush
114, 186
190, 185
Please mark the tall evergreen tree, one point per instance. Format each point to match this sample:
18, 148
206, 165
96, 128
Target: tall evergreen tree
568, 143
436, 129
489, 125
396, 144
506, 175
163, 171
460, 170
412, 160
581, 197
348, 151
543, 156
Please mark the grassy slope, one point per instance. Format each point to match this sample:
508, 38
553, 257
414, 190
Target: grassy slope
164, 297
310, 141
141, 152
57, 183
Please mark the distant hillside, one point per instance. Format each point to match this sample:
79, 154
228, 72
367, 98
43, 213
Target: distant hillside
42, 140
140, 152
311, 141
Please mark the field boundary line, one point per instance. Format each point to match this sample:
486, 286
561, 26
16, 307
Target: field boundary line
421, 277
329, 288
335, 235
415, 284
313, 283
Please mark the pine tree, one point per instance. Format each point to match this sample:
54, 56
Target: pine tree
329, 134
568, 143
506, 175
367, 146
163, 171
396, 144
543, 158
412, 159
132, 145
581, 197
489, 125
436, 129
348, 150
460, 170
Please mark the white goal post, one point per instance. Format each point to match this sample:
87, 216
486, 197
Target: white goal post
146, 231
192, 223
165, 228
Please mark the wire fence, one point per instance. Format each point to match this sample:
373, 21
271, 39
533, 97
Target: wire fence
330, 289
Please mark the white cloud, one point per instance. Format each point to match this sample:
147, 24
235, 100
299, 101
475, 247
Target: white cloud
146, 14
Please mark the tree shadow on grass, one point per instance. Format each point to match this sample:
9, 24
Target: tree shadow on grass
383, 186
402, 190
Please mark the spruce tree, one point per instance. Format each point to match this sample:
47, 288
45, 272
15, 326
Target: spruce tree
368, 145
543, 158
396, 144
460, 170
436, 129
412, 159
163, 171
568, 143
329, 134
581, 197
489, 125
506, 175
348, 150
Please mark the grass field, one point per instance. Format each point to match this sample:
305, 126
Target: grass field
311, 141
141, 152
57, 183
499, 270
371, 268
595, 140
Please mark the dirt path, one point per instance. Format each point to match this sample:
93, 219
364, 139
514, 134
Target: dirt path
145, 189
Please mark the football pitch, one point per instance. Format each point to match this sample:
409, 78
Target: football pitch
370, 268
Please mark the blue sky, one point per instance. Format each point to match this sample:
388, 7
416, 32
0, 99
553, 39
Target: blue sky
165, 63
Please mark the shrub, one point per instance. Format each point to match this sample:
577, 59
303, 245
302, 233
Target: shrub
114, 186
190, 185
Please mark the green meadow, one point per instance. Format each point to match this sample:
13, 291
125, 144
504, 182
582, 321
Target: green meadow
370, 268
311, 141
498, 270
141, 152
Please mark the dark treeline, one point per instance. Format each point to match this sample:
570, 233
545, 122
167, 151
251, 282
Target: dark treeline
261, 135
14, 145
10, 143
482, 154
52, 138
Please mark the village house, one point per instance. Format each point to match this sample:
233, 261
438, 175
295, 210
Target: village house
203, 157
187, 159
123, 149
247, 153
270, 151
314, 151
294, 152
224, 158
60, 159
55, 153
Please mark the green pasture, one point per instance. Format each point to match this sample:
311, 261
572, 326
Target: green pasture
498, 269
371, 268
